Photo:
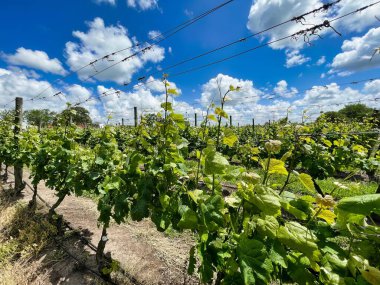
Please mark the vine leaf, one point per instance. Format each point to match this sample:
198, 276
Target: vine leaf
307, 181
254, 262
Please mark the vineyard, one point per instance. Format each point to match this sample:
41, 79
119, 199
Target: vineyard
231, 188
274, 180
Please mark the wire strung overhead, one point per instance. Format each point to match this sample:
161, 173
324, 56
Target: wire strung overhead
306, 33
297, 19
159, 38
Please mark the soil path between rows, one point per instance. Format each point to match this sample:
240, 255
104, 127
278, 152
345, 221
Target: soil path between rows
148, 255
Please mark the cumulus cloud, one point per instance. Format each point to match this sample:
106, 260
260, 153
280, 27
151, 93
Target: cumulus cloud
14, 84
143, 4
283, 91
222, 83
146, 97
35, 59
267, 13
295, 58
111, 2
101, 40
357, 53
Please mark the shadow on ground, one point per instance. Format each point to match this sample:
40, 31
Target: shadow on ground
34, 251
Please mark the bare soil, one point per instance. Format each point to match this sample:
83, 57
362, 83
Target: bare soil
149, 256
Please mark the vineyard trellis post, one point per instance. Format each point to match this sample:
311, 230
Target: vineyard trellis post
135, 113
122, 121
253, 127
18, 167
195, 120
230, 121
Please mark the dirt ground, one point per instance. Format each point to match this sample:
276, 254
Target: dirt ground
149, 256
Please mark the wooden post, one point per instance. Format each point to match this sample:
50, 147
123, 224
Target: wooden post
19, 185
122, 121
230, 121
135, 112
253, 126
195, 118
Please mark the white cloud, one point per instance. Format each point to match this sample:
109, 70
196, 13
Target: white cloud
357, 22
35, 59
356, 54
14, 84
28, 72
111, 2
321, 61
244, 105
101, 40
210, 90
318, 98
143, 4
267, 13
146, 97
294, 58
282, 90
154, 35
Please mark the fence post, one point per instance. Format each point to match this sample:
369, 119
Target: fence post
195, 118
19, 185
230, 121
135, 112
122, 121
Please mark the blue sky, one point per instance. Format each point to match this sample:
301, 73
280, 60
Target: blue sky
44, 40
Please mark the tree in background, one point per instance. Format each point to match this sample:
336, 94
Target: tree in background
40, 117
76, 115
333, 117
356, 112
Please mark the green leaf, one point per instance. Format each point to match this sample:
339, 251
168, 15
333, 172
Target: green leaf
294, 211
167, 106
371, 275
139, 210
277, 254
275, 166
363, 205
307, 181
215, 162
99, 161
327, 215
229, 138
189, 219
299, 238
212, 118
173, 91
220, 112
254, 261
268, 226
286, 156
263, 198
